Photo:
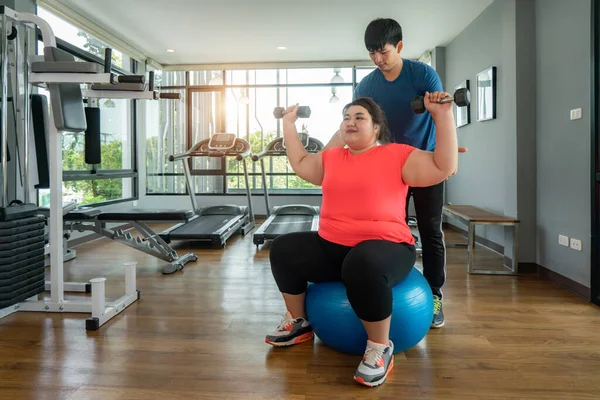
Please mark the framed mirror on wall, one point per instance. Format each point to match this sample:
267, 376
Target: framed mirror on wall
462, 115
486, 94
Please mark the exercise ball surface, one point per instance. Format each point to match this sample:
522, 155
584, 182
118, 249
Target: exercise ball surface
335, 323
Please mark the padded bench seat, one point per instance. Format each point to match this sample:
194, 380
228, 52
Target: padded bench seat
67, 67
473, 216
146, 215
131, 87
135, 214
82, 214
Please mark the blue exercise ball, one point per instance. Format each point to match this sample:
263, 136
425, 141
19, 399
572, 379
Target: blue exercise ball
335, 323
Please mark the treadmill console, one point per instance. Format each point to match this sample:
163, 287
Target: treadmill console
222, 141
277, 146
304, 139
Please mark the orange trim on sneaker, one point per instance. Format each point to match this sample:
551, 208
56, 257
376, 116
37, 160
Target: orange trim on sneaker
362, 381
304, 338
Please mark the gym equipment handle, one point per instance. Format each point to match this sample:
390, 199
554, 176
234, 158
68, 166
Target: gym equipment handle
172, 96
243, 155
258, 156
107, 60
125, 78
131, 78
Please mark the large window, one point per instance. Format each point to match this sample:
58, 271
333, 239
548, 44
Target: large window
242, 102
165, 128
81, 39
113, 179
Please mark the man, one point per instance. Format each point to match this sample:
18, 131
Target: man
393, 85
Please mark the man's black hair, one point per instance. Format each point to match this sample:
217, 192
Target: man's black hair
382, 31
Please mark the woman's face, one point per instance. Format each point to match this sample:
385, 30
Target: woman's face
357, 129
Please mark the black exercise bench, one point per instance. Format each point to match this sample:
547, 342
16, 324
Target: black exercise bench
95, 220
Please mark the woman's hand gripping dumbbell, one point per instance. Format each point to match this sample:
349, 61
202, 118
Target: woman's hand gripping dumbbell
462, 98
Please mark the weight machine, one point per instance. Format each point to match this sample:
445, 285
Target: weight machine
62, 76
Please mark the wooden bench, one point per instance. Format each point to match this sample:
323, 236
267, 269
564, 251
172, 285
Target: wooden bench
473, 216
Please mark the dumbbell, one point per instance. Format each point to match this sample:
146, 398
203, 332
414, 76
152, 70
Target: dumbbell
462, 97
303, 112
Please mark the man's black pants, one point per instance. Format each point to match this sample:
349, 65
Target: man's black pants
428, 202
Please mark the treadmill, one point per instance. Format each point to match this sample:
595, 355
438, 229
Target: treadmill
291, 217
214, 224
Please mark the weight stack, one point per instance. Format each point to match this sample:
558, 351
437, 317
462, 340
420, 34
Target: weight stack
21, 259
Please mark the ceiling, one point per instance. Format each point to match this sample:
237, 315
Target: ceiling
249, 31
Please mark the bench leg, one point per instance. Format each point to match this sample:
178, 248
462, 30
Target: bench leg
471, 248
512, 270
515, 252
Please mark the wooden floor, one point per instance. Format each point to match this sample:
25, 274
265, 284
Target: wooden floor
199, 334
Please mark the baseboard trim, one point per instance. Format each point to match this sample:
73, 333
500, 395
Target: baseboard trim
526, 267
544, 273
568, 284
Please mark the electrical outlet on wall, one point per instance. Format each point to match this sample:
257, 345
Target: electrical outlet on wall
576, 244
576, 114
563, 240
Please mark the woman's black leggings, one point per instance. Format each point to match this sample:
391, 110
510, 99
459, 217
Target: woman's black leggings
369, 270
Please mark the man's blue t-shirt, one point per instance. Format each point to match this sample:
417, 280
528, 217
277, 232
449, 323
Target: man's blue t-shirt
394, 98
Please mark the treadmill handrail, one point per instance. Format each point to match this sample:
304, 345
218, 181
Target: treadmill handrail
264, 153
243, 155
180, 156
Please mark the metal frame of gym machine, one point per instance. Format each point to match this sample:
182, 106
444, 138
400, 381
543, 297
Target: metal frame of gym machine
291, 215
95, 220
62, 73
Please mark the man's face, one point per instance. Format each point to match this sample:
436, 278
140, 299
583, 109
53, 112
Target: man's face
387, 57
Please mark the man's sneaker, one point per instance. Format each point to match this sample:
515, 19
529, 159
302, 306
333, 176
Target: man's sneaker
376, 364
438, 313
290, 332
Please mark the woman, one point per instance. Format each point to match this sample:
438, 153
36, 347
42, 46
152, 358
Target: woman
363, 239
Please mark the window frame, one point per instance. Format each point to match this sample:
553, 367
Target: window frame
252, 173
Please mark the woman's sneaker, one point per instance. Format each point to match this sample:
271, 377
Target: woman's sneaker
376, 364
290, 332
